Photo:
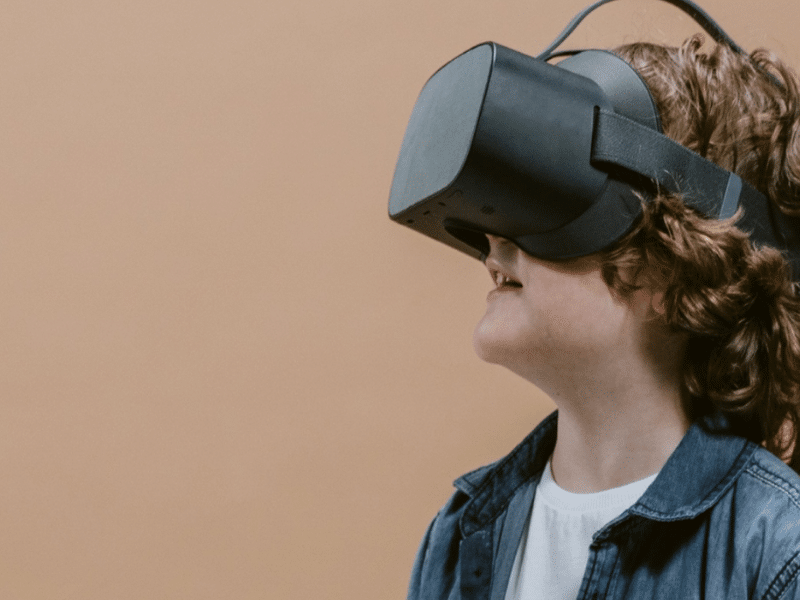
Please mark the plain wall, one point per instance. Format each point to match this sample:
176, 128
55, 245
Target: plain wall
225, 373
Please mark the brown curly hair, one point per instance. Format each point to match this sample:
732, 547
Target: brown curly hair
737, 302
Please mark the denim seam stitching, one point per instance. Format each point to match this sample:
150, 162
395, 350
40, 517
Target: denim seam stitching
739, 466
771, 480
790, 571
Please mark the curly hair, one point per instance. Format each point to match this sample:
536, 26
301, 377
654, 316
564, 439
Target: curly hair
736, 301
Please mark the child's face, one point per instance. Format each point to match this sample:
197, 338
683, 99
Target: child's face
553, 318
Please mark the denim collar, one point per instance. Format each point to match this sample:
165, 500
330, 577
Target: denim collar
702, 468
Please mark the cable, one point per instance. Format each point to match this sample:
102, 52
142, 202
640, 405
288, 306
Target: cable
687, 6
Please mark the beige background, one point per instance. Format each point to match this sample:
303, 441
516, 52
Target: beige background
225, 373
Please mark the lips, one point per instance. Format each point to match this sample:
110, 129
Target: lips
503, 280
503, 283
501, 256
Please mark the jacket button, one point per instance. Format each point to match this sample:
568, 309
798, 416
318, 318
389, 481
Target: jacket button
478, 572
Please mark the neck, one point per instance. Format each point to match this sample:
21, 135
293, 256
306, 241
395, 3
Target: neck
611, 439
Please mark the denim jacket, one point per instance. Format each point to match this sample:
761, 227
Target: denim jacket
721, 521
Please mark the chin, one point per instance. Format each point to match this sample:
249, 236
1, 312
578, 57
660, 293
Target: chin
493, 344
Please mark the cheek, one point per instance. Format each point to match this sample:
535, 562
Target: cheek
585, 324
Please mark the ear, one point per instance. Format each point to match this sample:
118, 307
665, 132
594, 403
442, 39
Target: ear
649, 303
657, 303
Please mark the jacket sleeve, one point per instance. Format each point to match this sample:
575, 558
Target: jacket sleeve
435, 575
415, 586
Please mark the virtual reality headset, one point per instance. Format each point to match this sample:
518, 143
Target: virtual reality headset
557, 157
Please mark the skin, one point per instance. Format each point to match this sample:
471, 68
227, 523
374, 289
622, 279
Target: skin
610, 365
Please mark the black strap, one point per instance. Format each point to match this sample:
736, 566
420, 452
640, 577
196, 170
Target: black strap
712, 190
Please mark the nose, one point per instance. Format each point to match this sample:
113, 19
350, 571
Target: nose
497, 242
498, 239
493, 241
499, 246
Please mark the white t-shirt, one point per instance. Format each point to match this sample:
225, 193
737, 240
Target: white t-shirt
553, 552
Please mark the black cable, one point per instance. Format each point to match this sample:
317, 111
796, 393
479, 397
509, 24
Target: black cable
690, 8
687, 6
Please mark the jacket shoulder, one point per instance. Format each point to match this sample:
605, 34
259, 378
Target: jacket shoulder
768, 502
432, 575
767, 471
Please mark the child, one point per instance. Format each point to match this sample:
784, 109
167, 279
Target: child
674, 360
